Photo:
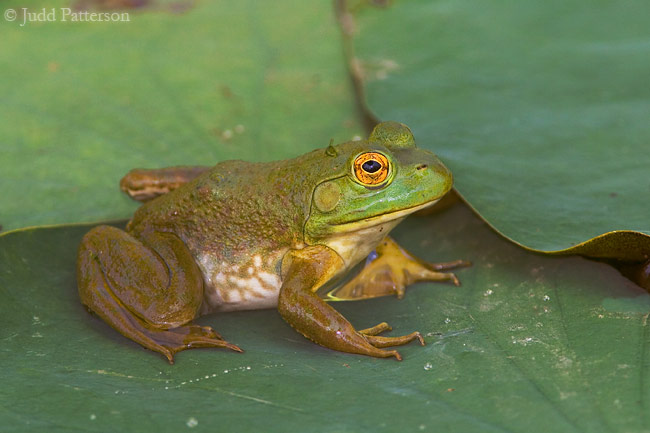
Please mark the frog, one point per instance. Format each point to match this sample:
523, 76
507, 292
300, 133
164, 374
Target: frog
252, 235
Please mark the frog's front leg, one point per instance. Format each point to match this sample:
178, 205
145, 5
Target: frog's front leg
307, 270
390, 270
148, 289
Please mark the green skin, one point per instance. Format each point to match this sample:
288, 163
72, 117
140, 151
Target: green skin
256, 235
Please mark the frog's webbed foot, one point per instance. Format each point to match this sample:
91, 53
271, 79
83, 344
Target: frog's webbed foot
390, 270
310, 315
190, 336
130, 286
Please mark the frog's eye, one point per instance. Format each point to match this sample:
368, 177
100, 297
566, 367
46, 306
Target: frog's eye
371, 168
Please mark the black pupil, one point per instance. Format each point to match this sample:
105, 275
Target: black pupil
371, 166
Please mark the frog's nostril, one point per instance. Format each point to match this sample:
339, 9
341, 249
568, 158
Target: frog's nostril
421, 167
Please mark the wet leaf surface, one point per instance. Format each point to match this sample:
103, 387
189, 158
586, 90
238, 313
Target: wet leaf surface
84, 102
540, 109
527, 343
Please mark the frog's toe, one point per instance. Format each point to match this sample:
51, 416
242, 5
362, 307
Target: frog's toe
189, 336
447, 276
379, 341
198, 330
377, 329
190, 339
431, 271
445, 266
394, 353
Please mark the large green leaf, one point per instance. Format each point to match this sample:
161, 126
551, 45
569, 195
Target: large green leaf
84, 102
527, 344
541, 109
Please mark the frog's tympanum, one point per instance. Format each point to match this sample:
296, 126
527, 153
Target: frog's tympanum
244, 235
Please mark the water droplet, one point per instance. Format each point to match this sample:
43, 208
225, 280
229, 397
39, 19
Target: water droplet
428, 366
192, 422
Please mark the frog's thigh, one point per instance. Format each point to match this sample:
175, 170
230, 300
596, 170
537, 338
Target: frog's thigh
148, 293
391, 272
139, 276
310, 315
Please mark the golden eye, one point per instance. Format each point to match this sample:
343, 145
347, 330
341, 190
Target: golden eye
371, 168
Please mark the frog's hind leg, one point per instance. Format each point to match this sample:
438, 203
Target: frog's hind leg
146, 184
148, 291
390, 271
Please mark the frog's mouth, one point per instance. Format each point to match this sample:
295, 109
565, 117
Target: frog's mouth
380, 219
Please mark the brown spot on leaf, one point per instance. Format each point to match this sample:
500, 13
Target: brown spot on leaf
111, 4
381, 3
176, 7
226, 92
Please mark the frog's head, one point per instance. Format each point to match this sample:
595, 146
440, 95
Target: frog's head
376, 181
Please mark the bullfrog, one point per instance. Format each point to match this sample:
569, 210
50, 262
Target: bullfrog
245, 235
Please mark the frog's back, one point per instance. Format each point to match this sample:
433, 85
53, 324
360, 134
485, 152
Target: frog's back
230, 207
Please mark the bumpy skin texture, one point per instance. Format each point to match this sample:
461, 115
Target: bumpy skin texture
236, 208
254, 235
